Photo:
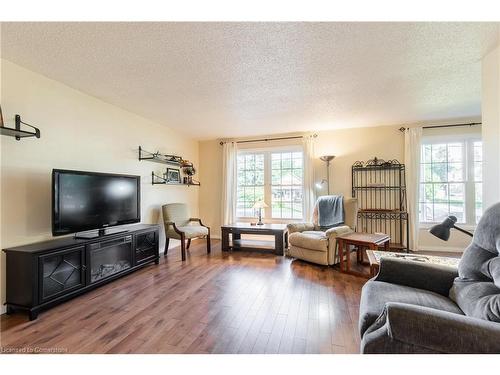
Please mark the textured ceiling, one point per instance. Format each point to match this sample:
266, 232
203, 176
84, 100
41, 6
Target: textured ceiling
239, 79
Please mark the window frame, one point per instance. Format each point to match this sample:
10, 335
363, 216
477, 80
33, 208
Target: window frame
267, 212
468, 139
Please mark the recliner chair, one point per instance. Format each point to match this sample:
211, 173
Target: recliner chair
412, 307
308, 242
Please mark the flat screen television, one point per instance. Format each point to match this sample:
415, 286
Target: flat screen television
84, 201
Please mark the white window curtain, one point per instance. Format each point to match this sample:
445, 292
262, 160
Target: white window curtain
229, 175
413, 137
309, 191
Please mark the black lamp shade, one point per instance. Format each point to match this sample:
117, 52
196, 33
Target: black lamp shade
442, 230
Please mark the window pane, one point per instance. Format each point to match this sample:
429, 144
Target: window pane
286, 161
478, 171
286, 177
297, 163
439, 153
439, 172
297, 177
426, 155
478, 151
478, 187
455, 172
458, 210
426, 172
455, 152
259, 162
440, 211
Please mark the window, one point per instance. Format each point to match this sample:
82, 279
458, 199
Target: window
250, 183
274, 176
450, 181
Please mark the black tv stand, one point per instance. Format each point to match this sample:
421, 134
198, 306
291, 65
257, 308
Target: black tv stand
44, 274
100, 233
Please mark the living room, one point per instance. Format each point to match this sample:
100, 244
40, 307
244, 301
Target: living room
249, 187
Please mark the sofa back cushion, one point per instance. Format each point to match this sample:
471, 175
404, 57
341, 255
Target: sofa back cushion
477, 289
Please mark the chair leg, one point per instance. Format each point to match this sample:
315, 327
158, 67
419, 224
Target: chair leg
208, 242
189, 243
167, 241
183, 247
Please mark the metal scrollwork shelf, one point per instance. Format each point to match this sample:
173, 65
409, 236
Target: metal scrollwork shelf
380, 187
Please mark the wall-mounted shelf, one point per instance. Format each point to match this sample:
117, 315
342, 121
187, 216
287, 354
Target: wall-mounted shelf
174, 160
158, 180
156, 157
17, 132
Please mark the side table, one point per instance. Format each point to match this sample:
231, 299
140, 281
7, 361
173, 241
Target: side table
371, 241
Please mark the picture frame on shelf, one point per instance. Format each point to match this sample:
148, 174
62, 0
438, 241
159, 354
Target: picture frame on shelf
173, 176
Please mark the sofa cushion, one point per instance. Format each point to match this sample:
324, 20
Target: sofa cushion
377, 293
477, 289
313, 240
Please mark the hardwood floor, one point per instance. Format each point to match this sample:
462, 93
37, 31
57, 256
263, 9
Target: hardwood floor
242, 302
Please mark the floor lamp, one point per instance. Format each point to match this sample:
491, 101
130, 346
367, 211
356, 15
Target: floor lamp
327, 159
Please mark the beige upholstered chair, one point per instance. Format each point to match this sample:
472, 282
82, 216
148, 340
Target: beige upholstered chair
309, 243
179, 225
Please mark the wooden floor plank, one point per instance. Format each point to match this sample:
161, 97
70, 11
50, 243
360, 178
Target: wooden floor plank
239, 302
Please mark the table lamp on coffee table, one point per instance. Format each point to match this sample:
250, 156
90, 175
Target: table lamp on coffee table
259, 205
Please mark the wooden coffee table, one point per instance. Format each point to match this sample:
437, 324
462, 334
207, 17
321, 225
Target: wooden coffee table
371, 241
279, 231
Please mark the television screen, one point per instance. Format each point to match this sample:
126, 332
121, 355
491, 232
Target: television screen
87, 200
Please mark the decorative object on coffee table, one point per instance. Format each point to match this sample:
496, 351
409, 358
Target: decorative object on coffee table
259, 205
279, 231
375, 255
360, 241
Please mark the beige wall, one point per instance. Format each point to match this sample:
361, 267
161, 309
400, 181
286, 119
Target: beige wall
490, 107
348, 145
78, 132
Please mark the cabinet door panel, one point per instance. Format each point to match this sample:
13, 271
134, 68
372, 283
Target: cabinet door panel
61, 272
145, 246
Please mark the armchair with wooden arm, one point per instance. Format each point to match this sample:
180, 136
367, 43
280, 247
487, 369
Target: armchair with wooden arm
179, 225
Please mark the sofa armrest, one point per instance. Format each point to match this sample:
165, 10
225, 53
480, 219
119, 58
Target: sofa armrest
441, 331
432, 277
338, 231
299, 227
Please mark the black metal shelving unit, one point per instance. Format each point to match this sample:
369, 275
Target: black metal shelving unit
380, 187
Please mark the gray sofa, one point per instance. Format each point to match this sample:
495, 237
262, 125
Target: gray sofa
412, 307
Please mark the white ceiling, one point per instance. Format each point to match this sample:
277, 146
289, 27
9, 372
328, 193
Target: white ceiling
240, 79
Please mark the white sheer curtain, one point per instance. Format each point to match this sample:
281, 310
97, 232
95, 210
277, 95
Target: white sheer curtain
229, 175
413, 138
309, 191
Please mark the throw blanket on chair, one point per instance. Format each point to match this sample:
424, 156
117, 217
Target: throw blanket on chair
330, 211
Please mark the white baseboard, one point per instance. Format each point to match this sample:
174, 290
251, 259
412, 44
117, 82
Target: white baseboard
441, 248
